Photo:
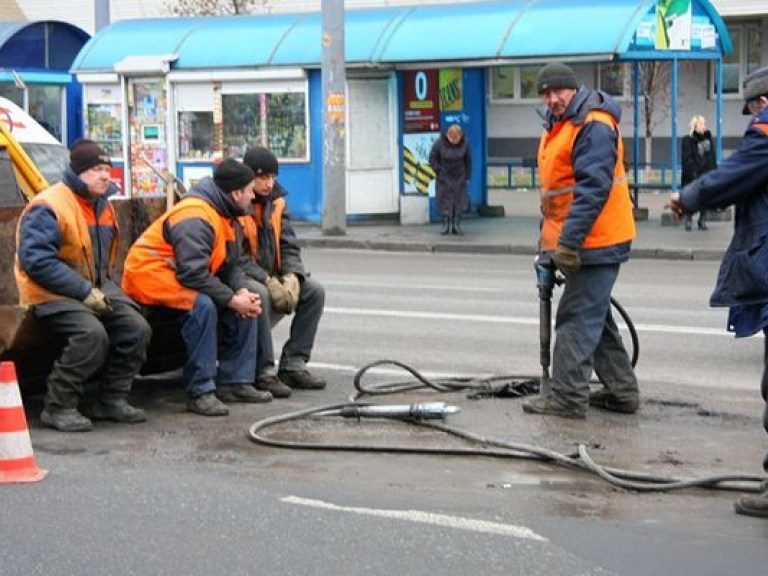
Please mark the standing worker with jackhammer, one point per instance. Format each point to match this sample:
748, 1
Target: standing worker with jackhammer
742, 284
586, 233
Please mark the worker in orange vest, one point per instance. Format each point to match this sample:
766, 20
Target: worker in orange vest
67, 243
185, 266
587, 232
280, 278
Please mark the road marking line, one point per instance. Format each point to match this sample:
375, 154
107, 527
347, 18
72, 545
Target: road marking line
442, 520
515, 320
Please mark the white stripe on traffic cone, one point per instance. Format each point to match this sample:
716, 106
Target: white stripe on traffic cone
17, 460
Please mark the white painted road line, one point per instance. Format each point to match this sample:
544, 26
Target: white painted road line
442, 520
518, 320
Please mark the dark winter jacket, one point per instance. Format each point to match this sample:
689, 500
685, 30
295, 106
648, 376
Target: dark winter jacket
741, 181
268, 246
192, 241
698, 156
452, 164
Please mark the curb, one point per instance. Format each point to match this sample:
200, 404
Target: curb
491, 249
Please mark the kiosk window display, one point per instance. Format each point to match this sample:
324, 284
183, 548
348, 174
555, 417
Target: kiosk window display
103, 118
227, 117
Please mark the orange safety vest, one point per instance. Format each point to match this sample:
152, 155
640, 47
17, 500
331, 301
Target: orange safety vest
252, 223
615, 224
149, 272
74, 215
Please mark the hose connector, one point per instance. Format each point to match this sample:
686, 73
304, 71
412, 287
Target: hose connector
418, 411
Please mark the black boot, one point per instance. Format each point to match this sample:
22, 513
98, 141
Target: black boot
446, 226
456, 228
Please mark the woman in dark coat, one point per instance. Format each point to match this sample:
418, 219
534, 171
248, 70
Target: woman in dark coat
451, 160
698, 157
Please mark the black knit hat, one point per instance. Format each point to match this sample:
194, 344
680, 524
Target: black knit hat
556, 75
85, 154
261, 160
232, 175
755, 85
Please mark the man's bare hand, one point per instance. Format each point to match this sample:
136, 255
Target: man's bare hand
245, 304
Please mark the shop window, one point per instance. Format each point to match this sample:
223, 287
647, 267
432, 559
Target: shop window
12, 92
103, 117
196, 136
745, 58
275, 120
612, 78
45, 106
511, 84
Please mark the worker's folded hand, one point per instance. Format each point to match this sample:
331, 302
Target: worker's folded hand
279, 296
566, 259
291, 283
98, 301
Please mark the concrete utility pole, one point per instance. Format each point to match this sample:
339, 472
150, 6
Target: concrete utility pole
100, 14
334, 77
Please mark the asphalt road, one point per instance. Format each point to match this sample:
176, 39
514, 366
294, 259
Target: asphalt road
184, 494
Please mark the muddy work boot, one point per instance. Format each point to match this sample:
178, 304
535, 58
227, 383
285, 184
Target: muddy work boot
607, 400
65, 419
116, 411
753, 505
246, 394
207, 405
274, 386
301, 380
545, 405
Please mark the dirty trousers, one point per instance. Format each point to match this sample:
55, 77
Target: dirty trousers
298, 348
587, 338
103, 352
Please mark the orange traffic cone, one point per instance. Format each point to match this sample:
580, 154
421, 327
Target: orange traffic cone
17, 461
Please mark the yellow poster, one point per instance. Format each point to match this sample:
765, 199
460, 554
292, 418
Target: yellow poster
451, 90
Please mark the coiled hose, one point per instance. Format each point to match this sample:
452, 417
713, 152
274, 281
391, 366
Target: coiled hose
626, 479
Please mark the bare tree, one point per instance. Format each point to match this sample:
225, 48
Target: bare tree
216, 7
655, 90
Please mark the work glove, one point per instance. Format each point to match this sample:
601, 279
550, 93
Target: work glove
279, 296
98, 302
291, 283
566, 259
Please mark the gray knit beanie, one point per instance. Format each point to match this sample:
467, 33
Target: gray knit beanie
556, 75
755, 85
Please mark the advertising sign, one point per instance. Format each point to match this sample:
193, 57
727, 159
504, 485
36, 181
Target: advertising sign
421, 101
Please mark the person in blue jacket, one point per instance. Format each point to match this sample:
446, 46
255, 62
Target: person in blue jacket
742, 282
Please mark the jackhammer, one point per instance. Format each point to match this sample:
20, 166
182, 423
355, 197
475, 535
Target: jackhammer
546, 280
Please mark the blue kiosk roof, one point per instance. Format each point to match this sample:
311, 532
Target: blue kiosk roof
41, 45
481, 33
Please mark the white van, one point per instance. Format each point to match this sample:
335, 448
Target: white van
48, 156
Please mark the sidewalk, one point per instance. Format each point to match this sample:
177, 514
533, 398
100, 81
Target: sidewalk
517, 232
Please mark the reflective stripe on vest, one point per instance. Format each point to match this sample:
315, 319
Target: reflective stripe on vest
149, 273
75, 248
615, 223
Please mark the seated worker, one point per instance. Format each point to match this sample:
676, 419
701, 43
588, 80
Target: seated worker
281, 281
67, 242
185, 266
